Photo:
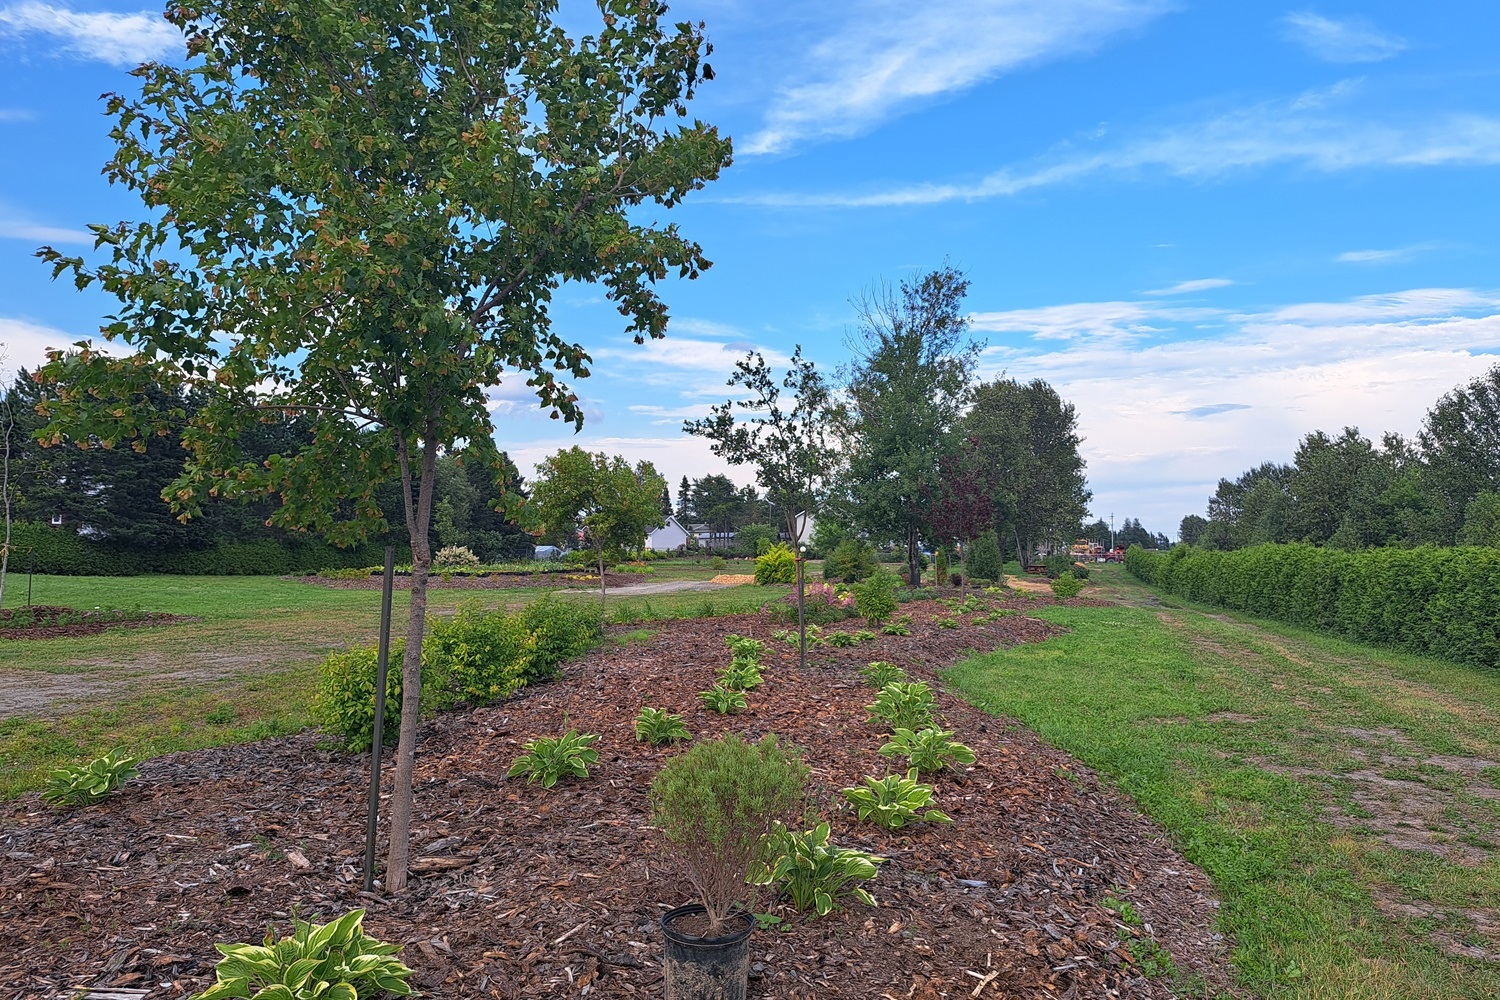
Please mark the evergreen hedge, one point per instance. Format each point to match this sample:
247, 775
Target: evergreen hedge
61, 552
1437, 601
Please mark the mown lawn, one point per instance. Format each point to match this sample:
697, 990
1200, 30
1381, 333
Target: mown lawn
1345, 800
244, 670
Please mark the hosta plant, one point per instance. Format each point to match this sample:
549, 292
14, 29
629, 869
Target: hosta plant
725, 701
842, 639
929, 750
879, 673
946, 622
86, 784
659, 727
894, 801
864, 635
896, 628
744, 648
904, 705
813, 873
741, 675
548, 759
332, 961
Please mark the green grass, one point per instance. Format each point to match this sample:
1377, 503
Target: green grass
1254, 745
246, 669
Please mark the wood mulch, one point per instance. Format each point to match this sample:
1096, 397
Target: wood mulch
521, 892
92, 622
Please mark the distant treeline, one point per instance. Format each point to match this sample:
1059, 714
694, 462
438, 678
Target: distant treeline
1347, 492
89, 508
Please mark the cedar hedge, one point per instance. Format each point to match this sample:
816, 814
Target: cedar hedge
61, 552
1436, 601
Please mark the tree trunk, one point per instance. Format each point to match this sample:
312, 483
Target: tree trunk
601, 577
418, 520
913, 554
7, 423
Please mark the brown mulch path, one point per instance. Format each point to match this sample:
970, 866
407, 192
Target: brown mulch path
93, 622
522, 892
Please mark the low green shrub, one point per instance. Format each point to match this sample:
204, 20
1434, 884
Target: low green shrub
875, 598
719, 562
548, 759
851, 562
896, 628
332, 961
475, 657
904, 705
1067, 585
659, 727
928, 750
813, 873
741, 675
893, 801
345, 701
841, 640
777, 565
561, 630
91, 783
744, 648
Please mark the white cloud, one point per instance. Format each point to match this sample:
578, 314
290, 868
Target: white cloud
1121, 322
16, 115
118, 39
24, 345
673, 457
1380, 256
884, 57
1348, 41
1196, 285
1301, 132
1164, 420
13, 229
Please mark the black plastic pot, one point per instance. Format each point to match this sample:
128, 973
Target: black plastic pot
699, 968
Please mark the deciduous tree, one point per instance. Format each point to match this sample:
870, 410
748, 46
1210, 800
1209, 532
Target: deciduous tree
602, 496
360, 212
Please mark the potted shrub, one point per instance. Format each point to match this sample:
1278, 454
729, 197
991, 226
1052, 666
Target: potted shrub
717, 804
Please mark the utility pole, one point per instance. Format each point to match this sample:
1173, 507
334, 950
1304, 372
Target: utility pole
1111, 531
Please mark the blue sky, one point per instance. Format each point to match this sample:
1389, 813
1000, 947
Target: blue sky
1213, 226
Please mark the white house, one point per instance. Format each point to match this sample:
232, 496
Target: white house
669, 537
806, 525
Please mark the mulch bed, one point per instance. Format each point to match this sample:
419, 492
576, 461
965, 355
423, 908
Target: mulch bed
92, 623
521, 892
488, 581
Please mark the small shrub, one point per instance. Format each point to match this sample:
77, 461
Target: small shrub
875, 598
476, 658
1067, 585
956, 579
719, 563
983, 557
659, 727
455, 557
946, 622
91, 783
893, 801
813, 873
717, 804
741, 675
725, 701
550, 758
896, 628
929, 750
842, 639
560, 630
777, 565
850, 562
345, 702
333, 961
905, 705
879, 673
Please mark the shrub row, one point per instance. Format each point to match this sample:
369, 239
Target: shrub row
473, 658
58, 551
1436, 601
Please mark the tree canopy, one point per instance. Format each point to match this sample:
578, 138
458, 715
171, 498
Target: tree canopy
600, 496
359, 213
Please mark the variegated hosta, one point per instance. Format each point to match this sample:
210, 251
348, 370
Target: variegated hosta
332, 961
813, 873
928, 749
894, 801
86, 784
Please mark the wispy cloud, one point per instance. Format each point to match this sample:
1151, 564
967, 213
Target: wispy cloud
1303, 132
883, 58
1119, 322
16, 115
1392, 256
118, 39
1196, 285
1164, 419
13, 229
24, 344
1350, 40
